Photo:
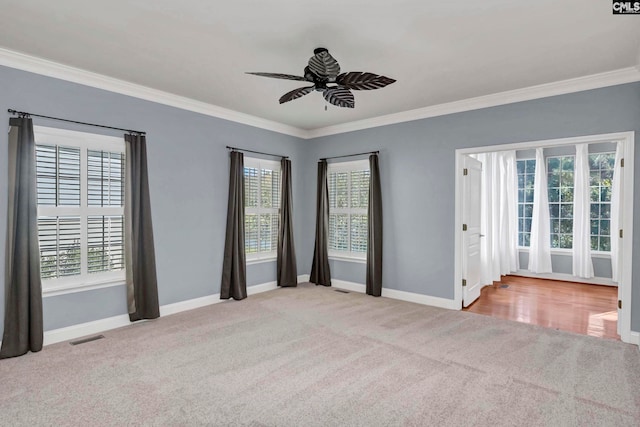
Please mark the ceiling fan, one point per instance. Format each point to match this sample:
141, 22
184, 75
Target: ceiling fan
324, 72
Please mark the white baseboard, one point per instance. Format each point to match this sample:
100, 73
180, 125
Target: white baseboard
97, 326
303, 278
84, 329
399, 295
264, 287
635, 338
566, 278
177, 307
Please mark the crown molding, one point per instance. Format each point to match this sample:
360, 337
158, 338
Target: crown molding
594, 81
48, 68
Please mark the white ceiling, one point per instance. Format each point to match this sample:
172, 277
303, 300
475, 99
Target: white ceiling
438, 51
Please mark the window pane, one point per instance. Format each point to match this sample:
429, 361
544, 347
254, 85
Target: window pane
553, 165
105, 236
251, 233
341, 190
602, 176
358, 233
68, 176
58, 175
59, 241
269, 188
250, 188
105, 178
268, 232
359, 189
566, 241
526, 180
339, 232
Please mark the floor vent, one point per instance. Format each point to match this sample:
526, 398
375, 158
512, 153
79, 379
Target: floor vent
504, 286
85, 340
342, 291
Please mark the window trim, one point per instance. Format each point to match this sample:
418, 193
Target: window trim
259, 164
85, 142
353, 165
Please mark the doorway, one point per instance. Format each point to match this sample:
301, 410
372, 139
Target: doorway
624, 245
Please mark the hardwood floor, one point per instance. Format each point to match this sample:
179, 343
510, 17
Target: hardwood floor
575, 307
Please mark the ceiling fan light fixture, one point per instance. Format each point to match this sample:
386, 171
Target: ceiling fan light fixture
324, 72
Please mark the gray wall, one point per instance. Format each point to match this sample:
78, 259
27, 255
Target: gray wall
417, 162
189, 173
188, 166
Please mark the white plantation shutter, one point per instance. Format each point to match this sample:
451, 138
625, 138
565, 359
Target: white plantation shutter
105, 178
251, 188
60, 252
348, 204
80, 186
262, 206
58, 175
105, 236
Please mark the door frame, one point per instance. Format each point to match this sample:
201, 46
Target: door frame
626, 245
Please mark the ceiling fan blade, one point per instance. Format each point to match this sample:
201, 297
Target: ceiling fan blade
323, 65
363, 81
296, 93
339, 96
280, 76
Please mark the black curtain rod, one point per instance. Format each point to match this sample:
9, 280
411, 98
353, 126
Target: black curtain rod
256, 152
24, 114
350, 155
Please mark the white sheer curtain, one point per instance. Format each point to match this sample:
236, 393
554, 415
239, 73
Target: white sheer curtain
499, 215
582, 263
616, 211
540, 246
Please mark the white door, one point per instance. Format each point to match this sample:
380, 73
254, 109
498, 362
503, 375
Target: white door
471, 219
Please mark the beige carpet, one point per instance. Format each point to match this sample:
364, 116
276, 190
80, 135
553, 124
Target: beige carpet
311, 356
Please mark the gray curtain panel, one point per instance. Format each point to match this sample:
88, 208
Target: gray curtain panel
374, 235
23, 288
320, 271
234, 268
286, 264
140, 257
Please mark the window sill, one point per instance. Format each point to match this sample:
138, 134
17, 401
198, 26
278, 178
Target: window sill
346, 258
52, 291
261, 260
569, 252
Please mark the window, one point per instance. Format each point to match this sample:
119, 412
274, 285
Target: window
601, 166
526, 180
262, 208
560, 184
80, 185
560, 175
348, 206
